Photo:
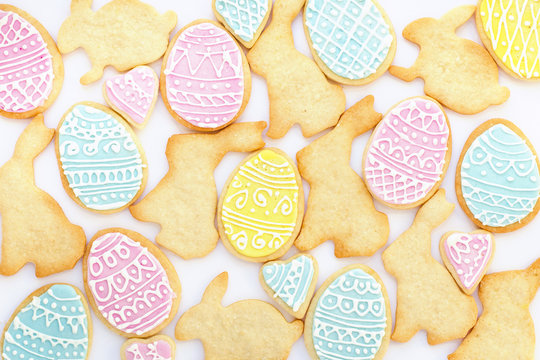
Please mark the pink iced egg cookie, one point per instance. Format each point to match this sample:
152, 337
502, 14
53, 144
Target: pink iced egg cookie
152, 349
406, 155
133, 94
26, 73
204, 76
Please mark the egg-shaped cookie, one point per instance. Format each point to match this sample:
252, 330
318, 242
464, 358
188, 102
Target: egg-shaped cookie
205, 79
102, 164
497, 177
261, 207
132, 286
352, 41
408, 153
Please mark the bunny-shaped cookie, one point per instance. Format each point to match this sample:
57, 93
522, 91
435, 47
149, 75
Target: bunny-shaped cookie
123, 33
245, 330
457, 72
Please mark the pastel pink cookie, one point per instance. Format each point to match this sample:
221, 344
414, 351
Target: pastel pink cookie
157, 348
408, 153
204, 77
133, 94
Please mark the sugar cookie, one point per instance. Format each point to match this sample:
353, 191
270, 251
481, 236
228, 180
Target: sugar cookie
159, 347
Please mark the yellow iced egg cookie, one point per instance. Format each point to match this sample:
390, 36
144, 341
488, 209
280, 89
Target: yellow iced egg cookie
510, 30
261, 207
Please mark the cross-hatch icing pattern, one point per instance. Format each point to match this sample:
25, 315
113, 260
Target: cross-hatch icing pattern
157, 350
244, 17
513, 27
500, 182
350, 36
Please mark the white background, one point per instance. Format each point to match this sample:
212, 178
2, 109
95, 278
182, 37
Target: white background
514, 251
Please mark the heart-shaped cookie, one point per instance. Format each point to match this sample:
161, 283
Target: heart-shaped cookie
159, 347
133, 94
467, 256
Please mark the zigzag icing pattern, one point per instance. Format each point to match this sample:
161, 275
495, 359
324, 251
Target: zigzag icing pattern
158, 350
244, 17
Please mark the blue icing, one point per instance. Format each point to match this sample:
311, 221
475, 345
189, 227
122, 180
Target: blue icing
350, 318
499, 177
99, 158
290, 281
53, 325
351, 37
244, 17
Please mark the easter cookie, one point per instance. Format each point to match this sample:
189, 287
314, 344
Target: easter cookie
352, 41
245, 19
509, 30
291, 282
102, 164
32, 71
458, 72
133, 94
53, 322
298, 91
159, 347
349, 317
131, 285
408, 153
261, 208
428, 298
245, 330
205, 77
184, 202
34, 227
123, 33
339, 206
505, 330
497, 177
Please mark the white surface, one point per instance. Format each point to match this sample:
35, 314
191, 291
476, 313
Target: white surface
514, 251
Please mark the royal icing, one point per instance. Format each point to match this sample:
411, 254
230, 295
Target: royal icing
350, 318
290, 280
129, 285
351, 37
204, 76
133, 93
156, 350
26, 72
469, 255
260, 206
244, 17
500, 182
406, 156
513, 28
99, 158
54, 325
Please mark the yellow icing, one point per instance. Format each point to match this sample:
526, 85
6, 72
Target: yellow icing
513, 28
260, 208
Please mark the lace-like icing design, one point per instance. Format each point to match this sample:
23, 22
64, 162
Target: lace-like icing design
158, 350
244, 17
406, 156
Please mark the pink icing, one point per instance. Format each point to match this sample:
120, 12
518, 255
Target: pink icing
129, 285
469, 255
26, 73
157, 350
406, 156
133, 92
204, 76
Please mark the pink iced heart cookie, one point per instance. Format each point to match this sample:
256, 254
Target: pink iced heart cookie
467, 256
133, 94
160, 347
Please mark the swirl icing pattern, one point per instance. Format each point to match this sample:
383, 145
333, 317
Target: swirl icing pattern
407, 151
500, 182
156, 350
54, 325
26, 72
204, 76
129, 285
260, 206
244, 17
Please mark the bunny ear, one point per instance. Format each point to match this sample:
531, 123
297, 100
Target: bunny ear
80, 5
457, 16
216, 289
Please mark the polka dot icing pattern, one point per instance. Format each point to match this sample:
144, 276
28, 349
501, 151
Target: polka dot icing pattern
26, 73
54, 325
513, 28
243, 16
406, 155
260, 207
350, 318
204, 76
129, 285
99, 158
500, 182
351, 37
158, 350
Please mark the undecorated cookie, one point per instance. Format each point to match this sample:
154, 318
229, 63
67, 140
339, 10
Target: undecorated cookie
159, 347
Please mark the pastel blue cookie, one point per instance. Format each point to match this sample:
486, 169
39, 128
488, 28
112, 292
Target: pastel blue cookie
243, 17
